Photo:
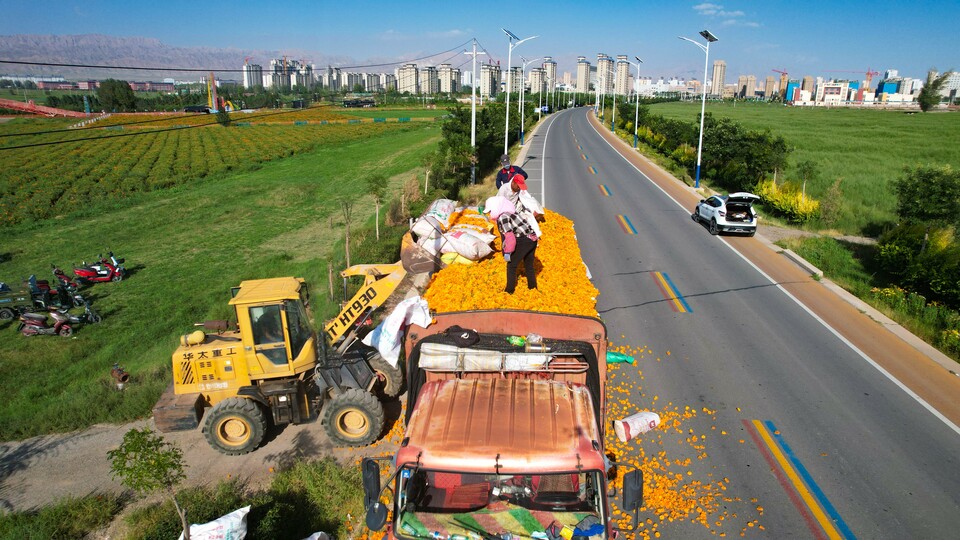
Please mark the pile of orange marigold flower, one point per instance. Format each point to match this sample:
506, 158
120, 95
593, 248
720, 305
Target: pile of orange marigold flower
562, 283
676, 488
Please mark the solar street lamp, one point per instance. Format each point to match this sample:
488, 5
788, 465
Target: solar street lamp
703, 103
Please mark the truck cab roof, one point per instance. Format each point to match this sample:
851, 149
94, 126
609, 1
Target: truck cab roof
503, 425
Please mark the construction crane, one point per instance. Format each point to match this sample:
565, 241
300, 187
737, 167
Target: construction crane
868, 75
783, 82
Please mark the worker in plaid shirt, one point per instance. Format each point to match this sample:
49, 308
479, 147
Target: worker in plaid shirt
519, 240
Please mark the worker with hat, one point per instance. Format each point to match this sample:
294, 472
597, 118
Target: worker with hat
519, 240
508, 172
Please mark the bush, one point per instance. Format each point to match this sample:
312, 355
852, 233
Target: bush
923, 259
941, 321
788, 200
309, 497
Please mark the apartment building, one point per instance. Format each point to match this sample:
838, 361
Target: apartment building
429, 80
449, 78
538, 80
719, 76
252, 75
583, 74
550, 73
489, 83
407, 79
605, 73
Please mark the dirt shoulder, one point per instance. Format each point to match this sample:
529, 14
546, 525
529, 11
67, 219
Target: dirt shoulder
39, 471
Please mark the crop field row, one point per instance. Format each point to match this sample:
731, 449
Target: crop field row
865, 149
45, 181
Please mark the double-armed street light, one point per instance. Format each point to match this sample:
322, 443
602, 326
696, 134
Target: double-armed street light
636, 115
511, 38
703, 103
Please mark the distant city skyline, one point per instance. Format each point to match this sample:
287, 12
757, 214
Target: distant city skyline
815, 38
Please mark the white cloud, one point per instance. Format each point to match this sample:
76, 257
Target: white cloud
729, 18
707, 9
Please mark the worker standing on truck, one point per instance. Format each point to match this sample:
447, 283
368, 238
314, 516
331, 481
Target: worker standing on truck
507, 171
519, 240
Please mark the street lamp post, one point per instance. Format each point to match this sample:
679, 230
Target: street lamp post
636, 115
511, 37
613, 120
523, 84
703, 103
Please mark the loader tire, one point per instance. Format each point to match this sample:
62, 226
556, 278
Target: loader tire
235, 426
353, 418
390, 378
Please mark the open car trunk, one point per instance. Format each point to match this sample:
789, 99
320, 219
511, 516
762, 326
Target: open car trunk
739, 212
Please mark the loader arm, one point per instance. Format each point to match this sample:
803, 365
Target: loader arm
379, 282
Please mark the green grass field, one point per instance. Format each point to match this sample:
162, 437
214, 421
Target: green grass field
866, 149
185, 247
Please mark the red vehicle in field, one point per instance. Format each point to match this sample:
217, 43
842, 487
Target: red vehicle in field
109, 268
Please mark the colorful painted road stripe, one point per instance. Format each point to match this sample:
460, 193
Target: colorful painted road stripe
625, 224
593, 170
821, 517
604, 190
676, 300
583, 157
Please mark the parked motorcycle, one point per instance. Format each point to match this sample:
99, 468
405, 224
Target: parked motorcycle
108, 269
89, 315
62, 296
36, 324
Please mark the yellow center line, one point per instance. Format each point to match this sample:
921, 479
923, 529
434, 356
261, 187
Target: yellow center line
805, 494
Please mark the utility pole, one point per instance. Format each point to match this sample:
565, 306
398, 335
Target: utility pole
473, 115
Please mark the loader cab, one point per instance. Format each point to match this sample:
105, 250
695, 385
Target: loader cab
275, 327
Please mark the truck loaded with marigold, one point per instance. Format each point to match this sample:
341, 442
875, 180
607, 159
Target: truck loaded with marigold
505, 409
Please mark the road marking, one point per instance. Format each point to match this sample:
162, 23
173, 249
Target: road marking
808, 489
593, 170
625, 224
604, 190
583, 157
676, 300
784, 483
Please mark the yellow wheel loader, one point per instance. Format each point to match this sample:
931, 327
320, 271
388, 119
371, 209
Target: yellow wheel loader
269, 367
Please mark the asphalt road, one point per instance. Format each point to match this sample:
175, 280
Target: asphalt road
827, 444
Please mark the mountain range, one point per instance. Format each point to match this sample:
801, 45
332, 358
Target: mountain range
190, 63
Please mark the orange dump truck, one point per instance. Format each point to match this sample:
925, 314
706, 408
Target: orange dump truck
502, 439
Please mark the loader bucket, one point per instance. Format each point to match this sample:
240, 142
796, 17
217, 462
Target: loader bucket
415, 259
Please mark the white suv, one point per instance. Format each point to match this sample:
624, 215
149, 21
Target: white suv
728, 213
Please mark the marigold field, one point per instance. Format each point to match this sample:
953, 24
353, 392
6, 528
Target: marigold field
42, 180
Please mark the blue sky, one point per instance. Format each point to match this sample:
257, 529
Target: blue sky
804, 37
